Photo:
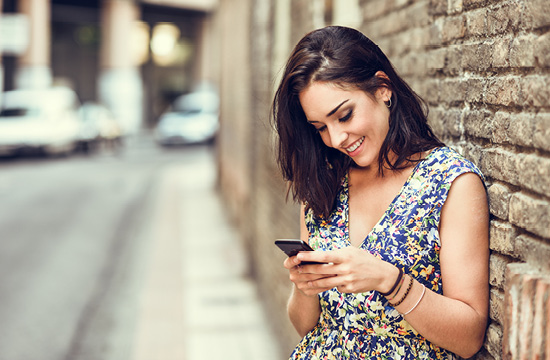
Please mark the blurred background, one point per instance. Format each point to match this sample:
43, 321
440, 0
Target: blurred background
139, 196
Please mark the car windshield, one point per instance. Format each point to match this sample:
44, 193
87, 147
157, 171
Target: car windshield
194, 103
17, 112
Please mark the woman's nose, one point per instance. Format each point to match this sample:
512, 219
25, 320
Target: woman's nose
337, 136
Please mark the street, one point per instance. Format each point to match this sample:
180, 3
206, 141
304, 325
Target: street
74, 256
69, 241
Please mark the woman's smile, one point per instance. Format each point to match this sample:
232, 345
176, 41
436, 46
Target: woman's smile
354, 148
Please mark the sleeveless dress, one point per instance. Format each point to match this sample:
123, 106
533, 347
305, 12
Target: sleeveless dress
365, 325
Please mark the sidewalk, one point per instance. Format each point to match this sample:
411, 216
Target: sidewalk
197, 302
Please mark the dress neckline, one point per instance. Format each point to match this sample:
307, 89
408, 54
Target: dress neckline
390, 206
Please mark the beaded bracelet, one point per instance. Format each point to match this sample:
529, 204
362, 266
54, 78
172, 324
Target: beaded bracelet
395, 284
406, 293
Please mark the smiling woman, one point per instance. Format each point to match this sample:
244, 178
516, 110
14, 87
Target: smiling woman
393, 213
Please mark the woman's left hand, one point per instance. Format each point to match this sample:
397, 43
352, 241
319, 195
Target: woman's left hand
354, 270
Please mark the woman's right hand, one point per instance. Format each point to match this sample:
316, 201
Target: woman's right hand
302, 276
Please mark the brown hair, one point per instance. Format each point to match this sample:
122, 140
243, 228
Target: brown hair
346, 58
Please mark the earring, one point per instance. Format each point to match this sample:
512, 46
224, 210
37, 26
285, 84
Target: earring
389, 105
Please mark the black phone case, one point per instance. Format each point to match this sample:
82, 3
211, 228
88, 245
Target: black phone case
292, 247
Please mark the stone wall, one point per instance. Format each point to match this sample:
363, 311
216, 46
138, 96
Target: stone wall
484, 68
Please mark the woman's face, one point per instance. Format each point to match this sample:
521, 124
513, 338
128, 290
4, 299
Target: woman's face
348, 120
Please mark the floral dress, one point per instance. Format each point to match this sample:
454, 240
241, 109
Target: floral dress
365, 325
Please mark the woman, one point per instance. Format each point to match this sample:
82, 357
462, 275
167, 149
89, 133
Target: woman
402, 220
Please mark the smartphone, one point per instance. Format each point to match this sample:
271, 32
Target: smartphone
292, 247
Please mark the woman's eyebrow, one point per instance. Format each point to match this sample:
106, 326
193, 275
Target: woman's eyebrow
337, 107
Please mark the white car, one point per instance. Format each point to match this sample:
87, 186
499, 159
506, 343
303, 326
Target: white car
192, 118
44, 120
97, 127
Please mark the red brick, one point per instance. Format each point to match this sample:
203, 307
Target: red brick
532, 214
453, 29
499, 200
540, 325
536, 14
375, 9
501, 52
478, 123
535, 90
512, 298
526, 316
436, 59
547, 337
476, 23
541, 136
542, 50
451, 121
503, 91
497, 270
496, 306
501, 122
437, 7
503, 19
452, 91
436, 38
475, 89
534, 173
500, 164
533, 250
453, 60
493, 340
502, 237
522, 51
521, 128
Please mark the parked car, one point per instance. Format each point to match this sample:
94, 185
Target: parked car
192, 118
98, 128
43, 120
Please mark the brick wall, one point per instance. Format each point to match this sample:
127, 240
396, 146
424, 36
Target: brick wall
484, 68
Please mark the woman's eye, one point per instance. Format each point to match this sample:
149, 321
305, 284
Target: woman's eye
346, 117
321, 129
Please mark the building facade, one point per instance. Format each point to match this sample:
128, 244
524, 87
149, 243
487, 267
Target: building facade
133, 56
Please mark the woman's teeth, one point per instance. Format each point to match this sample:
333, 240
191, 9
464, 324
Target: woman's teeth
355, 145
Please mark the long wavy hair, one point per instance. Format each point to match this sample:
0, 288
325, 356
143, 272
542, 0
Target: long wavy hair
348, 59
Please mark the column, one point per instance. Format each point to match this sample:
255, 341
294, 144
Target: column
34, 66
120, 84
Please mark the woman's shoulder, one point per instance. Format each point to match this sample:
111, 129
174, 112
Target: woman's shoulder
449, 163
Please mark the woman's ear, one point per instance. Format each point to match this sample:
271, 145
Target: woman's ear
383, 93
382, 74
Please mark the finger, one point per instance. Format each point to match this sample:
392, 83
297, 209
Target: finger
297, 277
321, 269
309, 290
325, 283
291, 262
317, 256
327, 257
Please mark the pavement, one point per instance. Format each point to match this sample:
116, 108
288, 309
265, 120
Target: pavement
197, 301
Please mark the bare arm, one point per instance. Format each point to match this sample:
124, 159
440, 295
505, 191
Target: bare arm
458, 318
303, 310
455, 320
